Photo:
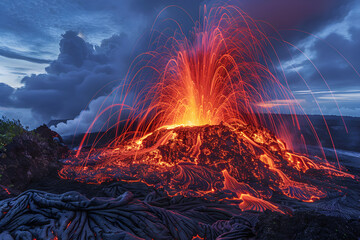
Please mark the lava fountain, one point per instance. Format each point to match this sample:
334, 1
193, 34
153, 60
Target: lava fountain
193, 119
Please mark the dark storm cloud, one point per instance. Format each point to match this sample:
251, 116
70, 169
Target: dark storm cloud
81, 69
73, 79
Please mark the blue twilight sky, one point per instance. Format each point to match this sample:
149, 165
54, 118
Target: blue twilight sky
56, 55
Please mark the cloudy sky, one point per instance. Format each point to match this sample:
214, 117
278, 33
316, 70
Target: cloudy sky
57, 56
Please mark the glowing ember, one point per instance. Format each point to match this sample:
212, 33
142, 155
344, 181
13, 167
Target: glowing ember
193, 129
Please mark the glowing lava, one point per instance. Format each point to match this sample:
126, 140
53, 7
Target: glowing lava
195, 127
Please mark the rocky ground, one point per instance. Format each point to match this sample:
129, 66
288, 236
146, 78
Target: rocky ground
30, 157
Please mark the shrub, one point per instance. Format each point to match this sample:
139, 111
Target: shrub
8, 130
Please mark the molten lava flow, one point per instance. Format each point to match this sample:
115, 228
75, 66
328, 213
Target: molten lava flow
193, 127
203, 160
256, 204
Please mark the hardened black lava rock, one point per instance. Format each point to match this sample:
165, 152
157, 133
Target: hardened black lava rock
29, 157
40, 215
306, 225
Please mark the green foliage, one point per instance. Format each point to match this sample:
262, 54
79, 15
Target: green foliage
8, 130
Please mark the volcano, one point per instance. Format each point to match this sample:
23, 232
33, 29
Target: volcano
190, 123
242, 162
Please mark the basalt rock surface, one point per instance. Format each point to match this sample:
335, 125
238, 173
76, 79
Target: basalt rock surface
29, 157
136, 211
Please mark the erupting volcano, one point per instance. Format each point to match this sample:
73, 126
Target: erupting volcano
205, 137
194, 115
